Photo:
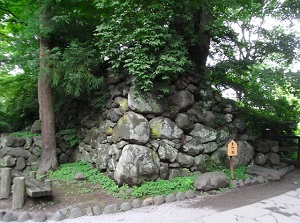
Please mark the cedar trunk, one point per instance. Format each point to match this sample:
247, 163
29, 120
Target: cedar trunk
46, 108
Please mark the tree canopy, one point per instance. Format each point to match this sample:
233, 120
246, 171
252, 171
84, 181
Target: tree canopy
247, 46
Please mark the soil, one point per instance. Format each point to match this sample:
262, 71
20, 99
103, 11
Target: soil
65, 196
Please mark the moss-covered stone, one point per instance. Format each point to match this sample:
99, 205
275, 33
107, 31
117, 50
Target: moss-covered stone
146, 103
133, 128
108, 130
164, 128
155, 130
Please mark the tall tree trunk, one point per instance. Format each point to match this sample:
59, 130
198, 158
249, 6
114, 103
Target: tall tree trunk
200, 50
46, 108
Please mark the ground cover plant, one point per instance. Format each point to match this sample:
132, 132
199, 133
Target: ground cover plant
65, 174
24, 134
239, 173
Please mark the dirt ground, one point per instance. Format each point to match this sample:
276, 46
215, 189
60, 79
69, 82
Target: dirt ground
65, 196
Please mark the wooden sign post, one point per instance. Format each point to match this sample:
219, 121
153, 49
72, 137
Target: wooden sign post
231, 151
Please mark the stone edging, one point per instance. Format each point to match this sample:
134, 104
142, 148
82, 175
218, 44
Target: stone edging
125, 206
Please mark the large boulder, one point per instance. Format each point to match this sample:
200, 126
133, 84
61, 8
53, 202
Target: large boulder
37, 141
226, 133
137, 164
244, 157
261, 146
114, 114
266, 173
183, 99
146, 103
203, 163
164, 128
210, 147
94, 137
195, 115
193, 147
133, 128
184, 122
15, 152
185, 160
220, 158
11, 141
36, 127
260, 159
209, 118
273, 146
245, 153
210, 180
272, 159
8, 161
122, 103
167, 152
205, 134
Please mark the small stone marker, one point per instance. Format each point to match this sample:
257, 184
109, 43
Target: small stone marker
231, 151
5, 187
18, 192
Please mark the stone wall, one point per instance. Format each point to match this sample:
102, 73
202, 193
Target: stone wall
266, 153
140, 137
24, 154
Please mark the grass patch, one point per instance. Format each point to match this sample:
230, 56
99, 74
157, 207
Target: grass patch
67, 171
24, 134
239, 173
163, 187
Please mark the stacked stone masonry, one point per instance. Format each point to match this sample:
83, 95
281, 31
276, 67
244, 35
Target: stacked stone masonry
142, 138
139, 137
24, 154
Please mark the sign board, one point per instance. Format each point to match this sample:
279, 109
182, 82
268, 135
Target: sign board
232, 148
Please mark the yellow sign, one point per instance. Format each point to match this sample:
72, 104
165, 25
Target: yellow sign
232, 148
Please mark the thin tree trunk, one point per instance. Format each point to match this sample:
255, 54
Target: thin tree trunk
46, 108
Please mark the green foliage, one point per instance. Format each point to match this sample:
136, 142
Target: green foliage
220, 119
141, 42
239, 173
24, 134
163, 187
18, 98
72, 69
288, 155
153, 42
70, 136
69, 32
297, 132
66, 172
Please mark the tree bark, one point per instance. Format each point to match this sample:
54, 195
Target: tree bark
46, 107
200, 50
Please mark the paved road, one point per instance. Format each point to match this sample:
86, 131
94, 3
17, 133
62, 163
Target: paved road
284, 208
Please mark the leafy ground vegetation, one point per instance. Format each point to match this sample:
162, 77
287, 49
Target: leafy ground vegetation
66, 173
98, 189
97, 185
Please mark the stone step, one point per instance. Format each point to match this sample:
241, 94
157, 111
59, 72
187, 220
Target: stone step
34, 188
